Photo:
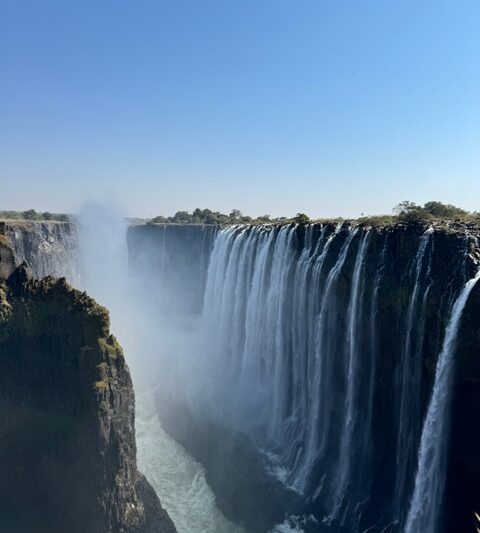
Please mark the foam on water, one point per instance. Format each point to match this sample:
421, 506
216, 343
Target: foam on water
177, 478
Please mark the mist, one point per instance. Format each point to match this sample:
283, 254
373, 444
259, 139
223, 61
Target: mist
157, 338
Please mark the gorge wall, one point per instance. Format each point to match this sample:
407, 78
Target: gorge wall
322, 345
67, 432
333, 373
49, 248
178, 255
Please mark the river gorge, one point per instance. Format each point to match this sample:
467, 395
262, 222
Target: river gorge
303, 377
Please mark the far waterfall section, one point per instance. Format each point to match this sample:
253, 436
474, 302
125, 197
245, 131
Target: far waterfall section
319, 344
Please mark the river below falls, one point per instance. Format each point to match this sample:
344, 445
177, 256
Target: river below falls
177, 478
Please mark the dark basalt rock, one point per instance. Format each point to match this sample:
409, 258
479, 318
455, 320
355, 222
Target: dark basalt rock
236, 471
67, 437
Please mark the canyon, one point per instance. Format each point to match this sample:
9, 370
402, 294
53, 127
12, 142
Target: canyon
326, 377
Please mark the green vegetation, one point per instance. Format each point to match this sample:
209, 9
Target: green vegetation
405, 212
203, 216
301, 218
31, 214
207, 216
411, 213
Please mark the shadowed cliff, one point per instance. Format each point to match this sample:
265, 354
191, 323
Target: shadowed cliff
67, 433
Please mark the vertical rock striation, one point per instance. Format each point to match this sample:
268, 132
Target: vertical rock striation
67, 433
49, 248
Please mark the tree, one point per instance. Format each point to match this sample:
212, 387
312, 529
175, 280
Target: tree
235, 215
440, 210
301, 218
159, 220
181, 217
264, 218
30, 214
405, 207
411, 213
47, 216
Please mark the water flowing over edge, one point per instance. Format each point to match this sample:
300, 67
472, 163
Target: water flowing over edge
430, 482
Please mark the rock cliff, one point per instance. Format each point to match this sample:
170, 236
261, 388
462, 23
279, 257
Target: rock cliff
49, 248
67, 432
383, 295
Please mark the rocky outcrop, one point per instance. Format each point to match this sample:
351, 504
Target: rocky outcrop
67, 433
49, 248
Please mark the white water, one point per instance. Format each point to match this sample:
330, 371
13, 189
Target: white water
320, 420
409, 386
430, 479
177, 478
343, 473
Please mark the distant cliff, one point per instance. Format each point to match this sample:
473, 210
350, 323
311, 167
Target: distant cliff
49, 248
67, 433
174, 258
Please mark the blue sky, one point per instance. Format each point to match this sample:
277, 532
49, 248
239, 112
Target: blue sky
328, 107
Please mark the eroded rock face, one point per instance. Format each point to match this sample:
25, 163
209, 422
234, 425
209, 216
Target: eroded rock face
7, 259
49, 248
67, 434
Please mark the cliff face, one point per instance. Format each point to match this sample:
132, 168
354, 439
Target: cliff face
322, 344
173, 259
49, 248
67, 437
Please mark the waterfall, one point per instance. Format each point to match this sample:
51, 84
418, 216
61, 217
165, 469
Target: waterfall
318, 420
312, 342
430, 479
269, 310
409, 371
343, 474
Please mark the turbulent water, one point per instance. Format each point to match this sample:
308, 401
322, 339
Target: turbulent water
178, 479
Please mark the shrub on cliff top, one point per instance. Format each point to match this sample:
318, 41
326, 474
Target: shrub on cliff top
410, 212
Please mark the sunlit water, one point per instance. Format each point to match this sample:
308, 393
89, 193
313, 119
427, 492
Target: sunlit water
177, 478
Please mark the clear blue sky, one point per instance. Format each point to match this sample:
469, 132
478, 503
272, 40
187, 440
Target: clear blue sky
330, 107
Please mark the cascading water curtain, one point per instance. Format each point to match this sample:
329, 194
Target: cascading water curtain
316, 336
